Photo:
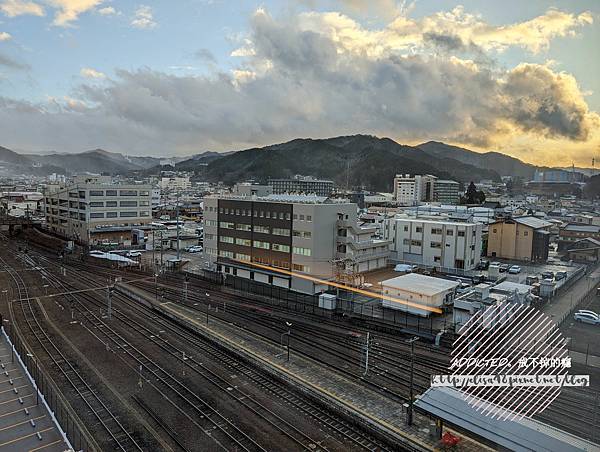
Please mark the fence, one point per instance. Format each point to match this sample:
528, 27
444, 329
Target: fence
51, 396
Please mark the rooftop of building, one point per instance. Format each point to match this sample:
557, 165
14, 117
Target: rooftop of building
442, 220
422, 284
576, 227
531, 221
284, 198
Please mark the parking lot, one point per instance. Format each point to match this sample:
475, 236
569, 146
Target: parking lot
583, 336
536, 269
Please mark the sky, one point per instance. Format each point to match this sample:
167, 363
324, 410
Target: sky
181, 77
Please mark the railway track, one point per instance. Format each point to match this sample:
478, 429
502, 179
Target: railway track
117, 435
139, 319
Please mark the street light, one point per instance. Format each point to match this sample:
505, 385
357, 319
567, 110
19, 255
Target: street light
412, 341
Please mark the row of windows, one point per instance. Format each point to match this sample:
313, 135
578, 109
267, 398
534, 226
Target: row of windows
438, 231
302, 251
305, 234
257, 213
120, 193
143, 213
256, 244
121, 204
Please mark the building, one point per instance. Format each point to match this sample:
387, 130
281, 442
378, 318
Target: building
448, 245
558, 175
585, 251
446, 191
521, 238
21, 203
175, 183
93, 202
574, 232
410, 190
302, 184
308, 235
250, 189
408, 292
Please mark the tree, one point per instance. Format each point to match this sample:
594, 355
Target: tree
472, 195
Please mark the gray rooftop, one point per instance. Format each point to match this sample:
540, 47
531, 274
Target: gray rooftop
533, 222
426, 285
582, 228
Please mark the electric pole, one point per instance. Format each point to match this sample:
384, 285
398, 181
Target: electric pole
412, 341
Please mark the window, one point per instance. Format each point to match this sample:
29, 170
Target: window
450, 232
307, 234
461, 233
526, 233
226, 225
281, 248
224, 253
97, 215
128, 203
243, 227
435, 245
259, 244
96, 193
405, 228
302, 251
295, 216
436, 258
111, 192
308, 218
261, 229
242, 257
111, 214
268, 215
97, 204
495, 230
144, 213
281, 215
406, 242
144, 193
419, 229
128, 214
144, 203
301, 217
436, 231
237, 211
415, 242
212, 223
281, 231
220, 210
243, 242
128, 192
262, 214
226, 239
287, 216
111, 203
301, 268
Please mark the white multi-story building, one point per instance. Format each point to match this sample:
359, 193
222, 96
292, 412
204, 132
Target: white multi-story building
441, 244
410, 190
175, 183
75, 209
306, 235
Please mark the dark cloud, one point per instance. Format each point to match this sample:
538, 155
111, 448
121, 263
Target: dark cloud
301, 83
205, 56
11, 63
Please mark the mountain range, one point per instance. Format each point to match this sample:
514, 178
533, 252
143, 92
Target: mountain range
351, 161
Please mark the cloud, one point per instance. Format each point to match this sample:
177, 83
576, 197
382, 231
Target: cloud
68, 11
92, 73
319, 75
13, 8
205, 55
108, 11
4, 36
10, 63
143, 18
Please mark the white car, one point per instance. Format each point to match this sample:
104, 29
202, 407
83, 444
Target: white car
194, 249
515, 269
133, 254
585, 317
587, 311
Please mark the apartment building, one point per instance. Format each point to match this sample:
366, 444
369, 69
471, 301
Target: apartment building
520, 238
306, 235
574, 232
448, 245
174, 183
302, 184
446, 191
88, 203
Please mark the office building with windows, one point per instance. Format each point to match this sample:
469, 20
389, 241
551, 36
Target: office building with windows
302, 184
447, 245
299, 234
89, 203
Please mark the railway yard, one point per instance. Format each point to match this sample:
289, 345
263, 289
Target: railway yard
138, 380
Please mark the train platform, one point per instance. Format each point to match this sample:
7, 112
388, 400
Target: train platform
366, 406
26, 424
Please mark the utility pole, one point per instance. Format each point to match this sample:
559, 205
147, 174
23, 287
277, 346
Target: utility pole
412, 341
289, 335
367, 345
207, 306
177, 221
109, 302
185, 289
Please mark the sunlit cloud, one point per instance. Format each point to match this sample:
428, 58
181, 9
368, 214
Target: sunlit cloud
92, 73
4, 36
13, 8
143, 18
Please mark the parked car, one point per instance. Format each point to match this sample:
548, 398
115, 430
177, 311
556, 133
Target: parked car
194, 249
531, 280
495, 264
587, 311
548, 275
504, 268
483, 265
133, 254
560, 275
514, 270
584, 317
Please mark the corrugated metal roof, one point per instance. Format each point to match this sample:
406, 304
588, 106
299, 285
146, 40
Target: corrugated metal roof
533, 222
522, 436
582, 228
426, 285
